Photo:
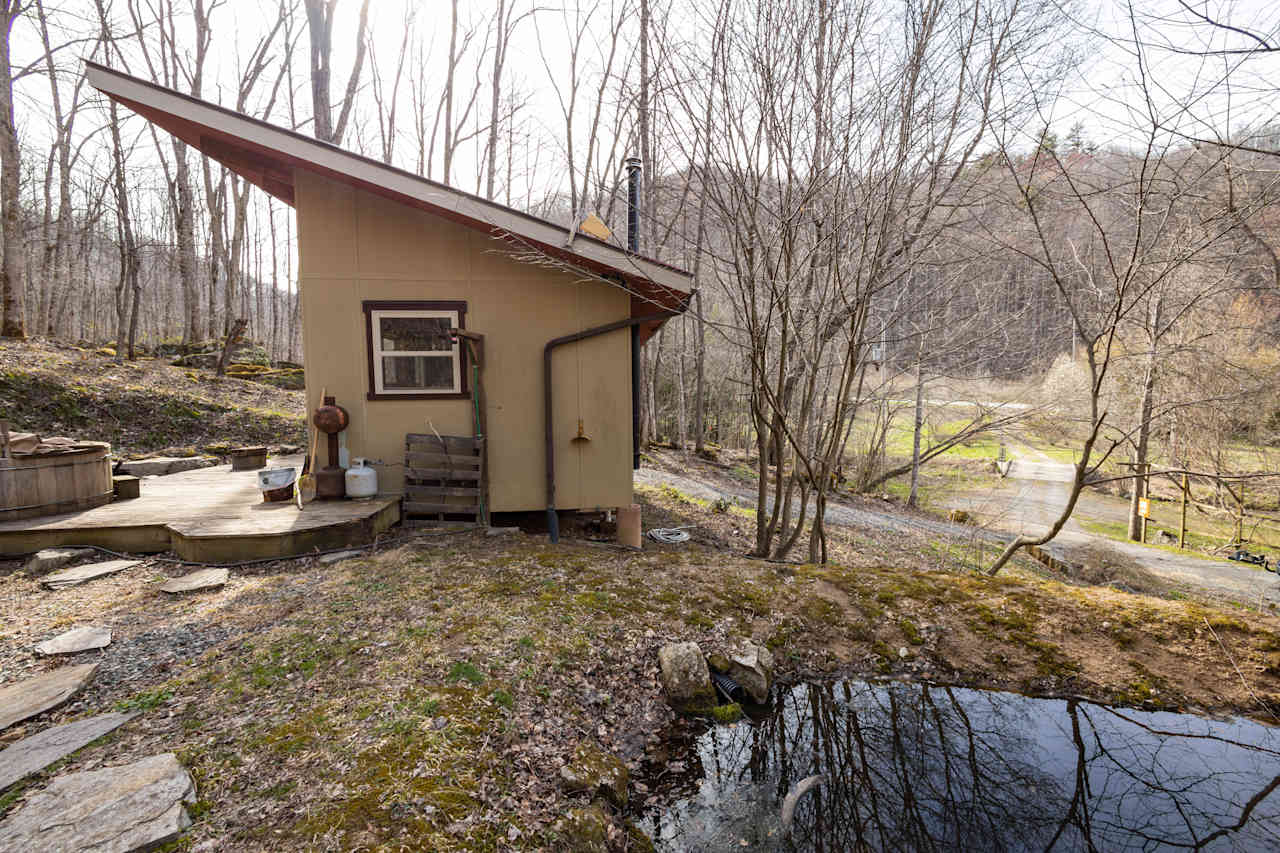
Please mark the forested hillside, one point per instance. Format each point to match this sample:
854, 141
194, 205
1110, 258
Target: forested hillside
876, 198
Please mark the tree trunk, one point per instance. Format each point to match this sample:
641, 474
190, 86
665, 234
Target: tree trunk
184, 222
918, 429
1139, 489
13, 266
681, 419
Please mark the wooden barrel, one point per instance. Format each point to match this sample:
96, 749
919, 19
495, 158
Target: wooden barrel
54, 482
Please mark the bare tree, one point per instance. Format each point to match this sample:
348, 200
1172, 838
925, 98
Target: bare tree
320, 15
13, 264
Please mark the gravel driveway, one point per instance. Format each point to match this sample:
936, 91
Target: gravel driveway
1027, 501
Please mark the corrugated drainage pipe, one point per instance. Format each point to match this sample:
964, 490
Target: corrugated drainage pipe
553, 523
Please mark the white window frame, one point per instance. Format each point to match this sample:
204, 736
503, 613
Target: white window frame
375, 335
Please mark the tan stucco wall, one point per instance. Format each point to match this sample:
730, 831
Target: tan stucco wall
354, 246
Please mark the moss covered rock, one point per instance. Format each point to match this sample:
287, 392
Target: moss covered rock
752, 667
596, 773
685, 677
583, 830
730, 713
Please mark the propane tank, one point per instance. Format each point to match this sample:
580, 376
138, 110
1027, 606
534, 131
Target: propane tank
362, 481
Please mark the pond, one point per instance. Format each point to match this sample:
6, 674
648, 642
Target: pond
922, 767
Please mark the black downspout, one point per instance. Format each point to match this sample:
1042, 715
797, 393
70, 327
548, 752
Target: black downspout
635, 398
553, 523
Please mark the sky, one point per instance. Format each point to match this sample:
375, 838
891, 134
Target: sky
1102, 91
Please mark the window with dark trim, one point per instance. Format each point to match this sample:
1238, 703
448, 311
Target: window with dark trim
411, 356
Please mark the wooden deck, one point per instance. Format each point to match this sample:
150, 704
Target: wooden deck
211, 515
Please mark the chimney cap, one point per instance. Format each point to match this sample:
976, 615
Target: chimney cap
633, 162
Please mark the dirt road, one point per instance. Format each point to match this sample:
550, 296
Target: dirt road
1036, 491
1028, 500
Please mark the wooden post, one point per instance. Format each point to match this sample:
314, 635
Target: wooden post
1182, 530
1146, 493
4, 439
1240, 519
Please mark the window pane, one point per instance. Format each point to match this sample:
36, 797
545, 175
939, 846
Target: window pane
414, 334
417, 372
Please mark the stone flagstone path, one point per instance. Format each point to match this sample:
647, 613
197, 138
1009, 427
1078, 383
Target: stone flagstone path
37, 752
31, 696
87, 572
76, 640
134, 807
196, 581
53, 558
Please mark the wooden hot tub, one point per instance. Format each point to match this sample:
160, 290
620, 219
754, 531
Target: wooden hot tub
53, 480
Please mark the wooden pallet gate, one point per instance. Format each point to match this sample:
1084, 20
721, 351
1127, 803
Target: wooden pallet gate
444, 480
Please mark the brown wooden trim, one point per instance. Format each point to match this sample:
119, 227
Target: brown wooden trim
449, 395
371, 305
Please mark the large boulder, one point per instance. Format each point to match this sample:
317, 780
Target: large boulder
752, 667
685, 677
597, 774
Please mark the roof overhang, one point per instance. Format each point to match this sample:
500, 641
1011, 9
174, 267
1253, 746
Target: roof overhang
267, 155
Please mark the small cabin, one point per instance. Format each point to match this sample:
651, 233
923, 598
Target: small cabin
427, 311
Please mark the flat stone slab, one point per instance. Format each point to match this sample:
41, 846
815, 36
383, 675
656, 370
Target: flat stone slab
76, 640
339, 556
33, 754
87, 572
196, 581
53, 558
31, 696
119, 809
162, 465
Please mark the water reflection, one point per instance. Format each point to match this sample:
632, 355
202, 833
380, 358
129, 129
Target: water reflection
918, 767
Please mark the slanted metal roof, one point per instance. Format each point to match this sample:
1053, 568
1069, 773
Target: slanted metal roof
267, 155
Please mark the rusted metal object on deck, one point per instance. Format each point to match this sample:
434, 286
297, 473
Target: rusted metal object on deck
332, 419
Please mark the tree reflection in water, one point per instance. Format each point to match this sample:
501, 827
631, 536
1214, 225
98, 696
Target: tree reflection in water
919, 767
